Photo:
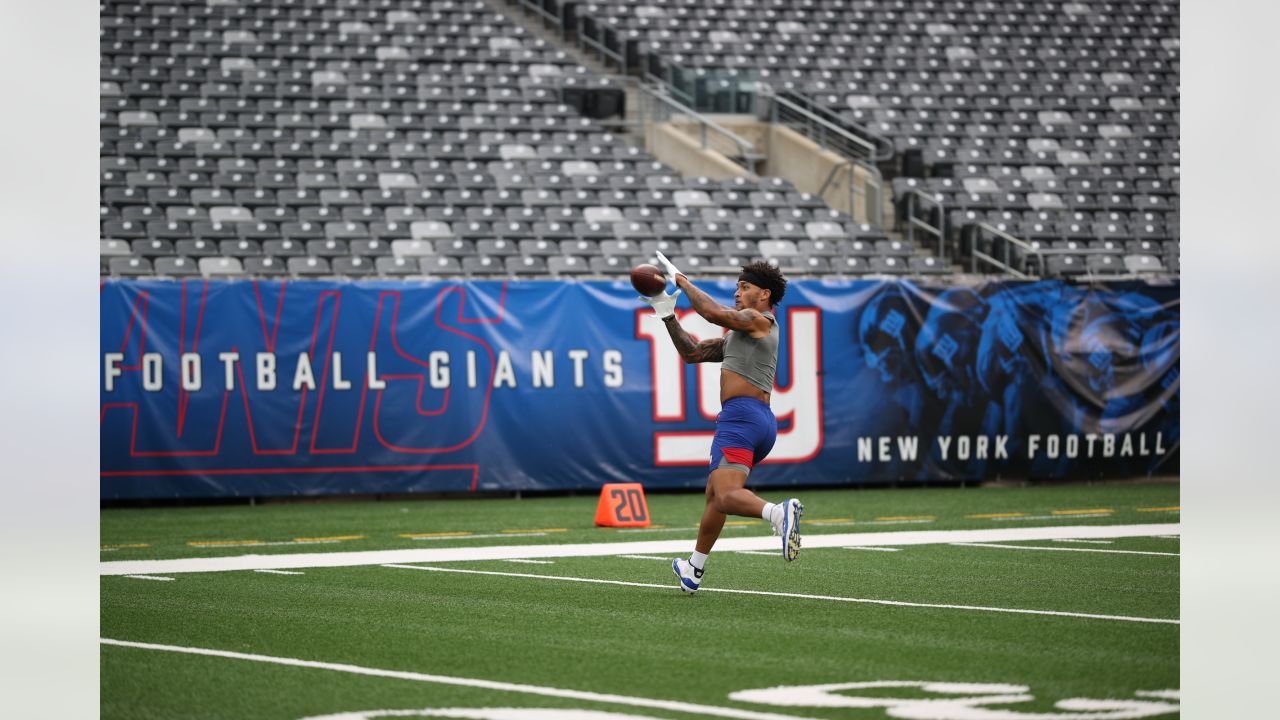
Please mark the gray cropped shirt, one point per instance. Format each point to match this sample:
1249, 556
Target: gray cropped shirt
755, 359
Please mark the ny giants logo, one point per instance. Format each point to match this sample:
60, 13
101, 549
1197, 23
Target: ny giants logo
798, 406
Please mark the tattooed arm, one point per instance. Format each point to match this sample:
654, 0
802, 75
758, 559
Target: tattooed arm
692, 352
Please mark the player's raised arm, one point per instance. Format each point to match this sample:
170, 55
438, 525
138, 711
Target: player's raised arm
664, 306
747, 320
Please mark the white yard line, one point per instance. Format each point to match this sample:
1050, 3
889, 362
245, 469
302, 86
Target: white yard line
1078, 540
1063, 549
776, 553
288, 561
668, 705
280, 572
869, 547
836, 598
647, 557
150, 577
532, 562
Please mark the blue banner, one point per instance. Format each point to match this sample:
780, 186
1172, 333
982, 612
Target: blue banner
257, 388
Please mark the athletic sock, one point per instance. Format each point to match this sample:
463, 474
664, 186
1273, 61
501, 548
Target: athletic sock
767, 513
698, 560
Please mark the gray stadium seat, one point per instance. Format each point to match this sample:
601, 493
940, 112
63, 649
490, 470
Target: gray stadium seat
309, 267
129, 266
440, 265
396, 266
220, 266
353, 267
264, 266
484, 265
1137, 264
567, 265
178, 266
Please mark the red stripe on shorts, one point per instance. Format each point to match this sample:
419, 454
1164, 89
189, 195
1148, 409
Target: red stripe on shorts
739, 456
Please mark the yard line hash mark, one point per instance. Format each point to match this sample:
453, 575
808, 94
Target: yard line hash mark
669, 705
799, 596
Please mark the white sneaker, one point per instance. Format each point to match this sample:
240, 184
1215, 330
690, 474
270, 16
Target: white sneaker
690, 576
789, 528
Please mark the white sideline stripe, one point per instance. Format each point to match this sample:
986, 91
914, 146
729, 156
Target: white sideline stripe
280, 572
1064, 549
669, 705
647, 557
287, 561
150, 577
869, 547
837, 598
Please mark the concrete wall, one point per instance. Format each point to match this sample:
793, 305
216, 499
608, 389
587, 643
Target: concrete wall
789, 155
679, 146
803, 162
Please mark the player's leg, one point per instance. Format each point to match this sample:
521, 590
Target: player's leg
725, 496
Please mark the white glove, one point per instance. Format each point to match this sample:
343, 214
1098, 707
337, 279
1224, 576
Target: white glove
664, 305
669, 269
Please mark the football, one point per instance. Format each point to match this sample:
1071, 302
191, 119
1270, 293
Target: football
648, 280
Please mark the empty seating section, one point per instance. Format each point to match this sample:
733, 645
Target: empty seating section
401, 138
1052, 120
396, 138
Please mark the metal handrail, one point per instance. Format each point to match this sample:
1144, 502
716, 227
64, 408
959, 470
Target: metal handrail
1010, 240
871, 147
548, 18
598, 45
874, 178
913, 222
745, 147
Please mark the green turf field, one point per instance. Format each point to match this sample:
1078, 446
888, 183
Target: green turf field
1066, 628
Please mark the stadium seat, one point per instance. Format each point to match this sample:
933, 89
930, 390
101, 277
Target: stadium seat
175, 266
440, 265
1064, 265
850, 264
889, 265
396, 266
567, 265
309, 267
484, 265
129, 266
352, 267
927, 266
220, 266
1138, 264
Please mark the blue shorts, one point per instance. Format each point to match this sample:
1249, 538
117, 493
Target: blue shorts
745, 432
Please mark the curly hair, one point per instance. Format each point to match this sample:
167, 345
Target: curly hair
773, 279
